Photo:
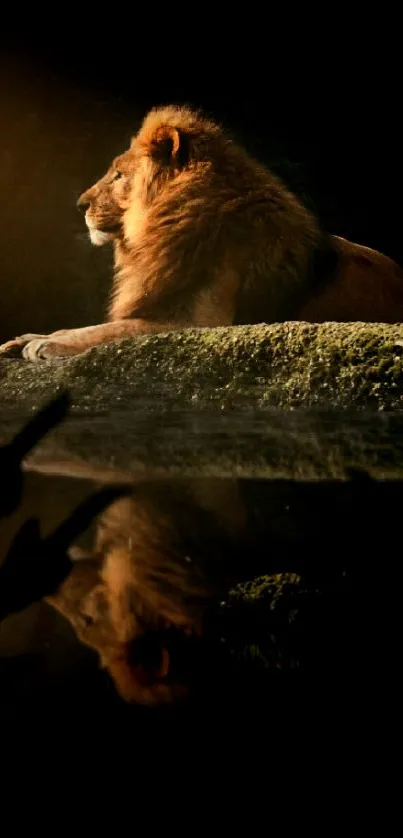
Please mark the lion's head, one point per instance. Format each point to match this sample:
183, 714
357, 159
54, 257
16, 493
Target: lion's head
138, 599
135, 644
169, 140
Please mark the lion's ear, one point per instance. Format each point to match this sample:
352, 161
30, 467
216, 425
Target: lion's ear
166, 145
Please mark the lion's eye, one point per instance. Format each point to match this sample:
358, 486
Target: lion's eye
117, 175
88, 620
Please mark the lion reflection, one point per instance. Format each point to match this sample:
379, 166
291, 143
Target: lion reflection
160, 558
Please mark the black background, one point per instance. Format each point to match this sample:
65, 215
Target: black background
318, 99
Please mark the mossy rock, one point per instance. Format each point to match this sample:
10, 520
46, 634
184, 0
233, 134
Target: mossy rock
285, 365
292, 400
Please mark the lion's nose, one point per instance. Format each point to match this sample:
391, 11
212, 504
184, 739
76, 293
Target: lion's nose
83, 204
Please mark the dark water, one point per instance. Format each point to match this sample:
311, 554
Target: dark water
289, 576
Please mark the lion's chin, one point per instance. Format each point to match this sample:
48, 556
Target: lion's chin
98, 237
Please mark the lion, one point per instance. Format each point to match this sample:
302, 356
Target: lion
205, 236
139, 596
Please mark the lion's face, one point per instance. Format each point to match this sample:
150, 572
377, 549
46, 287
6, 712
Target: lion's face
140, 599
147, 654
169, 140
105, 202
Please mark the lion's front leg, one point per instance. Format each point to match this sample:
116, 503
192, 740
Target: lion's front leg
34, 347
67, 342
64, 342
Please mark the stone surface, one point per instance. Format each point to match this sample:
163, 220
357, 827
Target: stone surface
290, 400
284, 365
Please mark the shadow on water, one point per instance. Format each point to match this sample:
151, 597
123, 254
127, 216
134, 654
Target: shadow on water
186, 597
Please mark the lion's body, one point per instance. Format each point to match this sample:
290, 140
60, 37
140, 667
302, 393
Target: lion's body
205, 236
368, 286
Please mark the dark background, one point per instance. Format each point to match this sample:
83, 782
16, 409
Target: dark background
320, 103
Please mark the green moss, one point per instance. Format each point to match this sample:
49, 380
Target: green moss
228, 401
284, 365
271, 587
270, 610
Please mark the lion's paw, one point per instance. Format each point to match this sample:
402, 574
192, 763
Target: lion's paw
44, 348
14, 348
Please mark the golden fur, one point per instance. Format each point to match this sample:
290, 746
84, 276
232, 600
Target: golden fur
159, 558
204, 235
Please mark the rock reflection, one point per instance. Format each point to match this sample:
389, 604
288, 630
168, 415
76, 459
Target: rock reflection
182, 582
